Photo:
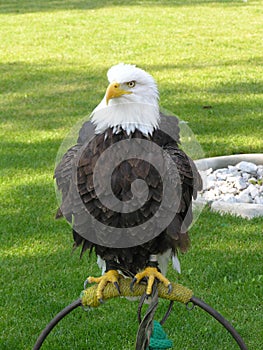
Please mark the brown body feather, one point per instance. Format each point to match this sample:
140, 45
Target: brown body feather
174, 237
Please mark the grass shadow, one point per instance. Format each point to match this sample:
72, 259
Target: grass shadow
30, 6
41, 100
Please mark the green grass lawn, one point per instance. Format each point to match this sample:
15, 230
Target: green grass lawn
54, 56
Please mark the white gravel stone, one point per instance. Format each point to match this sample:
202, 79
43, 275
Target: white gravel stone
211, 177
209, 171
210, 196
250, 188
254, 192
233, 190
260, 171
220, 171
246, 176
233, 170
229, 189
258, 200
240, 183
224, 189
229, 198
235, 184
248, 167
221, 176
244, 198
231, 179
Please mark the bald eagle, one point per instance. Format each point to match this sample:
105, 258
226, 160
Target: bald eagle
128, 113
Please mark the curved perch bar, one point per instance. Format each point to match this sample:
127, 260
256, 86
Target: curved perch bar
179, 293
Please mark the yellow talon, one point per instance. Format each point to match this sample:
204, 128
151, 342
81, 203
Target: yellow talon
110, 276
151, 273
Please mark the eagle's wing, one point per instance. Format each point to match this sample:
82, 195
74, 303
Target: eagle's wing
64, 181
169, 125
87, 132
64, 171
191, 183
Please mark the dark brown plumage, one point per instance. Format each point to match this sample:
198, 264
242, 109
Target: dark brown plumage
84, 156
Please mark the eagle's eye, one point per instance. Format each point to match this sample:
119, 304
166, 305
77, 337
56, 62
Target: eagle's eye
131, 84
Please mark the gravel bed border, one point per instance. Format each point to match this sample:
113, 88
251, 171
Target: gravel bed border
245, 210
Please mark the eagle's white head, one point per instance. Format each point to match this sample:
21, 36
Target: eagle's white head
130, 101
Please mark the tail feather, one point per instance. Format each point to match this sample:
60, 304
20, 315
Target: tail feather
176, 263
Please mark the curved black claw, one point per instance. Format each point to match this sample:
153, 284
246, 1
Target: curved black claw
170, 288
133, 283
116, 284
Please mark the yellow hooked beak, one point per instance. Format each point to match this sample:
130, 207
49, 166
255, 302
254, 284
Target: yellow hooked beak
114, 91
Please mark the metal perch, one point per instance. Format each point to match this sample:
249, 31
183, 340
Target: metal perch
179, 293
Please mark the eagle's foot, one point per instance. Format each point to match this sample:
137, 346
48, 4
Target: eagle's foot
151, 273
111, 276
